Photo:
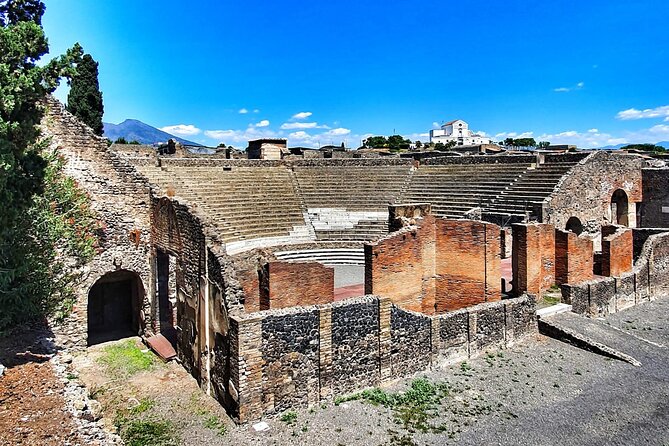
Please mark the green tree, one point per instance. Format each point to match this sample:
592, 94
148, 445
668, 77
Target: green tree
27, 241
543, 144
376, 142
419, 144
398, 142
85, 98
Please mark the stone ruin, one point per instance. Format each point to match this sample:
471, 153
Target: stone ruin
280, 283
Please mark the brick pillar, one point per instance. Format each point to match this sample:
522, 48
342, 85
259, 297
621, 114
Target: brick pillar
533, 257
250, 369
617, 251
573, 258
325, 352
385, 340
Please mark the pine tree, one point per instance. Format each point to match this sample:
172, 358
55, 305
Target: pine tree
85, 98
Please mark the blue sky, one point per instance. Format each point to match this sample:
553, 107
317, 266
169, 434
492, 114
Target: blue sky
590, 72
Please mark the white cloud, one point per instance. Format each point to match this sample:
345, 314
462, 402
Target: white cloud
337, 132
593, 131
263, 123
181, 130
504, 135
255, 110
436, 125
240, 136
243, 111
302, 125
578, 86
633, 113
301, 115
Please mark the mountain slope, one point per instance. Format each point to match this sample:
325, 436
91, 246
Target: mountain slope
134, 130
664, 144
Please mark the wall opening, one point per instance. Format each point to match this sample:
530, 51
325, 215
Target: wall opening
619, 208
574, 225
166, 291
113, 307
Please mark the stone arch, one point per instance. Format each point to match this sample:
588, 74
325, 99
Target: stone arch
574, 225
114, 303
619, 208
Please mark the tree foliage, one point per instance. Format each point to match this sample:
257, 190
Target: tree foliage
520, 142
85, 99
32, 191
394, 142
644, 148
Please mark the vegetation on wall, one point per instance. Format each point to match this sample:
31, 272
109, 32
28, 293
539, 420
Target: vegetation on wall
85, 98
43, 213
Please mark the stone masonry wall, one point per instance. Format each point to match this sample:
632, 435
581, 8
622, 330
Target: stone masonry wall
617, 252
648, 279
120, 199
655, 207
533, 257
586, 191
299, 356
573, 258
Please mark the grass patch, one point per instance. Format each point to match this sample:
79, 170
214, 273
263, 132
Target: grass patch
144, 405
289, 417
215, 424
126, 359
148, 433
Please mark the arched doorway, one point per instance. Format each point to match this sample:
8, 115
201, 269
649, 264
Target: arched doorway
574, 225
113, 307
619, 208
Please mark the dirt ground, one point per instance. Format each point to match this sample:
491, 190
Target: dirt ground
32, 407
539, 392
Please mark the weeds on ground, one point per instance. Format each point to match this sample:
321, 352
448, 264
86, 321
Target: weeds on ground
144, 405
215, 424
148, 433
289, 417
126, 359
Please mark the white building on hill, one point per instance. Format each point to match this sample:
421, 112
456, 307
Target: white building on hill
459, 132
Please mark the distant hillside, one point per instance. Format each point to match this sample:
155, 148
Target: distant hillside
134, 130
664, 144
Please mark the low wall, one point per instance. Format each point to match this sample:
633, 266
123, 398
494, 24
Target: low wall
648, 279
296, 357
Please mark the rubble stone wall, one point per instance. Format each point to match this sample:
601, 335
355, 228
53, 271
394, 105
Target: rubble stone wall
299, 356
585, 192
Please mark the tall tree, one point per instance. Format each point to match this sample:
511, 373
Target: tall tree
85, 98
23, 87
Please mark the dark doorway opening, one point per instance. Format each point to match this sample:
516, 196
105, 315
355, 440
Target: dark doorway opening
574, 225
166, 296
113, 307
619, 208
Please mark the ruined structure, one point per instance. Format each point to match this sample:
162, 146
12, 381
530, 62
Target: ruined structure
284, 282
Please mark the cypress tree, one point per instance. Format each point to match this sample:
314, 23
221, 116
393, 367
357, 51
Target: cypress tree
85, 98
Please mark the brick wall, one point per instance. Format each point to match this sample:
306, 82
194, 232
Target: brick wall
467, 264
573, 258
617, 251
401, 266
648, 279
533, 257
300, 283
